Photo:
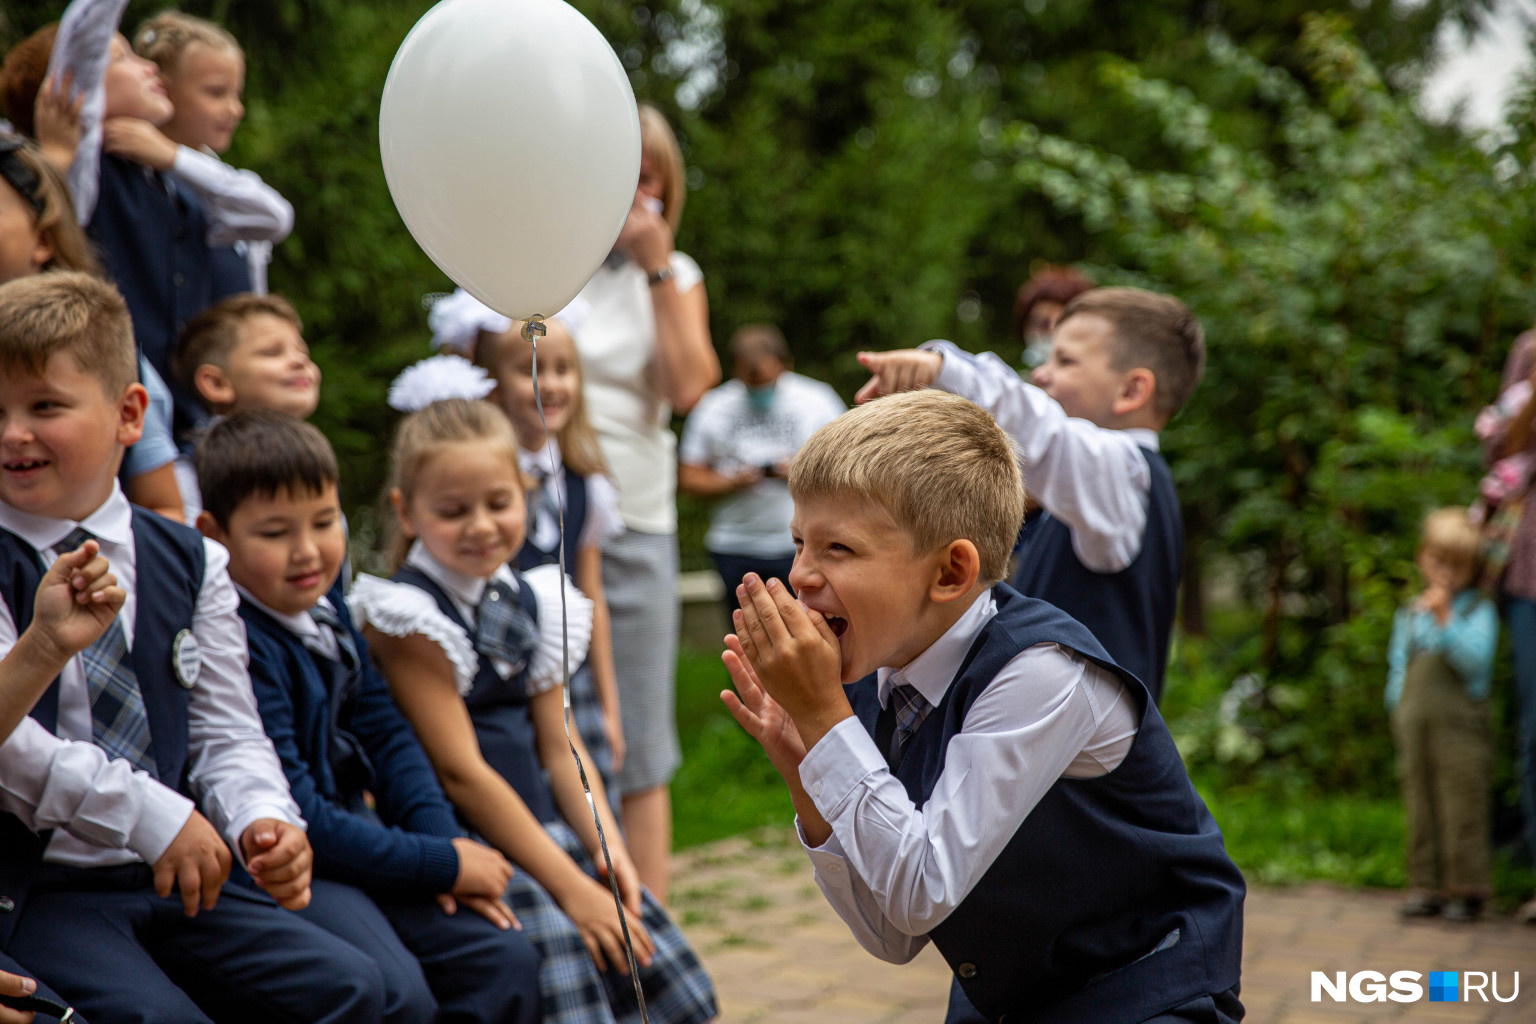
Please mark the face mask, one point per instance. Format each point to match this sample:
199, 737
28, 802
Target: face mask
1037, 348
761, 399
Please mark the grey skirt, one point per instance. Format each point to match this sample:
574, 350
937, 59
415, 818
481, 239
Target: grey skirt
640, 581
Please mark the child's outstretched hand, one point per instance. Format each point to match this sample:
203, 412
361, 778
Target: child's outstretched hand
758, 713
56, 118
789, 653
76, 601
902, 370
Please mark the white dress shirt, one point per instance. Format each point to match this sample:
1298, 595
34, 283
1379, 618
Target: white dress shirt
106, 812
546, 665
1092, 478
893, 872
238, 205
603, 520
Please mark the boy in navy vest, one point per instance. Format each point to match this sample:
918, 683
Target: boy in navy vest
988, 779
114, 880
1106, 544
391, 872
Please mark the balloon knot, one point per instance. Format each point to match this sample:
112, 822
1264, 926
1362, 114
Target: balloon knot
533, 329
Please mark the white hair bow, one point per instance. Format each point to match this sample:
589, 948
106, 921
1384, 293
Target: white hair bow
437, 379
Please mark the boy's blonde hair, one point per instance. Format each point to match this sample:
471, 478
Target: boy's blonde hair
1450, 533
422, 432
579, 448
1154, 331
939, 466
166, 37
659, 143
67, 311
212, 335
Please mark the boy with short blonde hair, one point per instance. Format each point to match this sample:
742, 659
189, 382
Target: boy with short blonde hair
102, 780
1106, 544
1439, 668
969, 766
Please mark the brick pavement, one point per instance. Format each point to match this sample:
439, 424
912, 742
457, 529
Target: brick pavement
780, 956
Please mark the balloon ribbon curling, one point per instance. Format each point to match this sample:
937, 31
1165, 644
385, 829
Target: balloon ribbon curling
533, 330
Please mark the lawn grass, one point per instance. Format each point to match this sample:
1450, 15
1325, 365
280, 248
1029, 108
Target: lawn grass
726, 787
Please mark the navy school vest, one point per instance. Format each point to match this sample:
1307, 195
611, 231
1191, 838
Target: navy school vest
153, 240
169, 565
1131, 611
498, 707
574, 492
341, 768
1101, 872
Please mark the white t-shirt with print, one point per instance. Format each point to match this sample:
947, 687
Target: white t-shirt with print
725, 433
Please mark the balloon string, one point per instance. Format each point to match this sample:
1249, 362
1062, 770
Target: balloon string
532, 329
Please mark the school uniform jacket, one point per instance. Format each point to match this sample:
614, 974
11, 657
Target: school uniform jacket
337, 733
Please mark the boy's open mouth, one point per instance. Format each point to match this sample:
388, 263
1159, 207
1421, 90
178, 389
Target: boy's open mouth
24, 465
839, 625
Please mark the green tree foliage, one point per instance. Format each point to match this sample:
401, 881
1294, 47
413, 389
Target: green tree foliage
877, 172
1358, 281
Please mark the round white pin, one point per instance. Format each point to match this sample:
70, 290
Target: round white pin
187, 658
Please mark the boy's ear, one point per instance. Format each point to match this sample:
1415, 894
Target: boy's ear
957, 572
212, 383
210, 527
1136, 391
130, 414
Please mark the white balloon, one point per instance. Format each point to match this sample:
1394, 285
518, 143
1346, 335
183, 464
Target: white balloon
511, 145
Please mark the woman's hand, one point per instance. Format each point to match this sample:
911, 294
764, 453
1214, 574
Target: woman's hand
646, 237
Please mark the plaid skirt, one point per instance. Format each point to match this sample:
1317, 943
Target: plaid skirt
677, 989
589, 722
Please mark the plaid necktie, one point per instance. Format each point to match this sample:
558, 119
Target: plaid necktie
503, 630
119, 722
328, 620
911, 709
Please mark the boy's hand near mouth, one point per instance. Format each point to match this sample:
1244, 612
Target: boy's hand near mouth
785, 664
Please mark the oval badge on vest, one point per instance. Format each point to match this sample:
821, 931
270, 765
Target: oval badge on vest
186, 658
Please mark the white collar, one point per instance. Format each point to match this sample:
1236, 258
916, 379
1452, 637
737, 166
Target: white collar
300, 625
1144, 437
931, 672
537, 463
112, 523
467, 590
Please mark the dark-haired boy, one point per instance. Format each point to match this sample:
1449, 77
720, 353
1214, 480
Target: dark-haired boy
101, 783
988, 779
1107, 543
384, 873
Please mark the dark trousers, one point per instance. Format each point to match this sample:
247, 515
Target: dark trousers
104, 940
1444, 759
1221, 1008
733, 567
436, 966
7, 964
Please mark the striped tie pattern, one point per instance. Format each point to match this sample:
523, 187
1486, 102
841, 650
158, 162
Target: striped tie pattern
503, 630
346, 648
911, 709
119, 721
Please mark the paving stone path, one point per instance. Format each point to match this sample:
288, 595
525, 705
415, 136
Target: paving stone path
779, 955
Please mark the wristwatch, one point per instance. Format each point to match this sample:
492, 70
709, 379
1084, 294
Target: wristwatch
659, 275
